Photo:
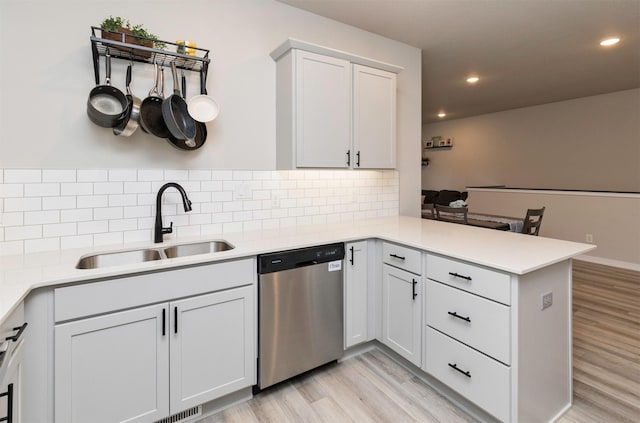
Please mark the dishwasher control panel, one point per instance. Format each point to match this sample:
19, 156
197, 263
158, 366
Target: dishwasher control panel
291, 259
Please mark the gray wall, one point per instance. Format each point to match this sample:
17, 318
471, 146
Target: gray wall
46, 74
590, 143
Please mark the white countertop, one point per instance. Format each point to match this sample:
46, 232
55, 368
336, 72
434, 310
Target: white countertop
506, 251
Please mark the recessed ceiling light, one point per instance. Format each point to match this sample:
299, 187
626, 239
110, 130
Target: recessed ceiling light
472, 79
441, 114
610, 42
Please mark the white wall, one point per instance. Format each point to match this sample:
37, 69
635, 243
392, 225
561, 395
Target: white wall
590, 143
46, 75
611, 219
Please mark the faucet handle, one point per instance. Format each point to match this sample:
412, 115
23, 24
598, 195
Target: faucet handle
169, 229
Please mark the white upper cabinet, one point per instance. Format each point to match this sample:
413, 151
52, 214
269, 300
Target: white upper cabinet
334, 109
323, 110
374, 118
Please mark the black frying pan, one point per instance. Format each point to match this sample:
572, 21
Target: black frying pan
151, 118
201, 130
174, 110
107, 106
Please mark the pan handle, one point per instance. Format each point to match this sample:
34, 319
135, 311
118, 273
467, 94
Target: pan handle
107, 61
174, 73
203, 88
184, 86
154, 89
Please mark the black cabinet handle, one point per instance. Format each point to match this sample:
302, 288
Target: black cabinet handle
454, 314
351, 259
455, 367
9, 394
358, 158
164, 321
414, 283
175, 320
397, 256
15, 337
348, 157
460, 276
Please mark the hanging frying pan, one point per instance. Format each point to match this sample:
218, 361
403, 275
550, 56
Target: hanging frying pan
201, 130
107, 106
174, 110
151, 118
130, 123
203, 108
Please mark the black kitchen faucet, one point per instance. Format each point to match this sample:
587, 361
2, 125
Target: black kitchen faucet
158, 230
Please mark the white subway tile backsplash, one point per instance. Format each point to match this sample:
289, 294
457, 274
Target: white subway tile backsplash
76, 188
11, 190
44, 244
108, 188
22, 176
58, 203
40, 217
22, 204
58, 175
17, 233
59, 229
92, 175
123, 175
42, 190
49, 209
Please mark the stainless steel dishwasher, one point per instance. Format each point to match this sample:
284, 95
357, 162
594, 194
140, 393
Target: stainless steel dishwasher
300, 311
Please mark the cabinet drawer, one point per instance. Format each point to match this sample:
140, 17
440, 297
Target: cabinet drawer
89, 299
468, 277
402, 257
475, 321
477, 377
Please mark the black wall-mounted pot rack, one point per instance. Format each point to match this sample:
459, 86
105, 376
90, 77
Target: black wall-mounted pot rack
199, 62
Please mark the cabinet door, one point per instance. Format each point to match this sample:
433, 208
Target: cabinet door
11, 385
212, 346
113, 368
322, 110
374, 118
355, 294
401, 312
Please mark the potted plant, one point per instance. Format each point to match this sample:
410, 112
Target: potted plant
114, 28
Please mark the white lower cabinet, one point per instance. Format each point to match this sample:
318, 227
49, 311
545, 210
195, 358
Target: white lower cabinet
149, 362
355, 294
401, 312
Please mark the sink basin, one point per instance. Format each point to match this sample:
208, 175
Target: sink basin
119, 258
183, 250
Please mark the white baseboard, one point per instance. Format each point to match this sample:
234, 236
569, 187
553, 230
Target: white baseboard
610, 262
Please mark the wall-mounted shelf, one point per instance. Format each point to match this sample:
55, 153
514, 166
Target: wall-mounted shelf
120, 49
449, 147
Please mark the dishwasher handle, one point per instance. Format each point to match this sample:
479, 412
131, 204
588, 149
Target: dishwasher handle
306, 263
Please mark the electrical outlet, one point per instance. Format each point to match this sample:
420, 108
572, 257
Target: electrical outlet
275, 200
547, 300
588, 238
242, 192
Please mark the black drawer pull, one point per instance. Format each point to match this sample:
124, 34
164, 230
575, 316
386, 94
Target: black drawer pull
397, 256
9, 394
454, 314
455, 367
460, 276
15, 337
415, 282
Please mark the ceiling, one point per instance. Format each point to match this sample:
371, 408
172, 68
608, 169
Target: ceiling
526, 52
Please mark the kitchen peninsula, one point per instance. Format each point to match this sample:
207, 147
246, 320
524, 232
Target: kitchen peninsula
513, 363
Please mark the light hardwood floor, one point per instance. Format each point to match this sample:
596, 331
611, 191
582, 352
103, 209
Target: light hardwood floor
373, 388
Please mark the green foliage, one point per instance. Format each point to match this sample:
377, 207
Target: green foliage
117, 23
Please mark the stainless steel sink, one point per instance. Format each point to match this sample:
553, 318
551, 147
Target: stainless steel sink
183, 250
118, 258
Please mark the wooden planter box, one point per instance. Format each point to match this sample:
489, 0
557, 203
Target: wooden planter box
129, 39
